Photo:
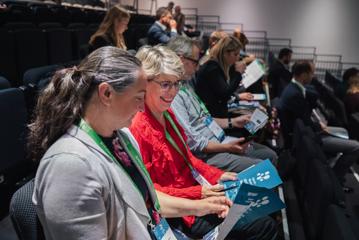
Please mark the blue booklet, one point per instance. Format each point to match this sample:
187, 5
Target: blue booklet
264, 174
250, 204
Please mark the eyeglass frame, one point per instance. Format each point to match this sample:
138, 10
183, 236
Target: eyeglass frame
179, 84
194, 61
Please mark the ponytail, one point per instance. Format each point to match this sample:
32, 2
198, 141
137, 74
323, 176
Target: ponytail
59, 106
63, 101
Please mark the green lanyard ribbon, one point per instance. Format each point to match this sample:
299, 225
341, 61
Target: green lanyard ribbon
130, 149
190, 92
173, 143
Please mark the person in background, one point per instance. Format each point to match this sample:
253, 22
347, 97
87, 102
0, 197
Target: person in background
351, 99
342, 89
170, 6
172, 166
206, 137
3, 7
279, 74
294, 105
180, 19
91, 182
112, 27
216, 83
158, 32
244, 41
212, 41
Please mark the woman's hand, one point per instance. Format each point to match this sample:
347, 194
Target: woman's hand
228, 176
210, 191
240, 66
246, 96
213, 205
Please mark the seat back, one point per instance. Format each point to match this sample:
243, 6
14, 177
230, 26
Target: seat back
337, 225
4, 83
23, 214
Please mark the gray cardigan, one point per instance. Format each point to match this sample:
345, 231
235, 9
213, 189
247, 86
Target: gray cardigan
81, 194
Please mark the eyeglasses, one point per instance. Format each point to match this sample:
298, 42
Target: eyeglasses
194, 61
167, 85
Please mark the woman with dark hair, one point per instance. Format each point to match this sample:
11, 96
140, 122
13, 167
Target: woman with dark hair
91, 182
351, 99
110, 32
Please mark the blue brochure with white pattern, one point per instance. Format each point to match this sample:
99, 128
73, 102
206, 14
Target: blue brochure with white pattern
264, 174
250, 204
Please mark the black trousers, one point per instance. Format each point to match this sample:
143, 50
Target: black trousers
262, 229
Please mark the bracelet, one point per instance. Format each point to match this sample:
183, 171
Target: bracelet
230, 126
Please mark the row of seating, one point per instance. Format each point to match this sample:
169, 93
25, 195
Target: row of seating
23, 49
38, 13
318, 192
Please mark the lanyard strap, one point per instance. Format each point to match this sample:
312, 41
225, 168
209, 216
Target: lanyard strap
200, 102
173, 143
134, 154
130, 150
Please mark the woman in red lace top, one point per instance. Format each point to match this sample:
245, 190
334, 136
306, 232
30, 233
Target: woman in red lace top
172, 167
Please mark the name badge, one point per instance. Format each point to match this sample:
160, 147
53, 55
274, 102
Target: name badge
200, 179
215, 128
162, 231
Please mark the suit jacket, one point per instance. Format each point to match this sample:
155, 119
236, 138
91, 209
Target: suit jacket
293, 105
157, 35
214, 90
80, 193
278, 77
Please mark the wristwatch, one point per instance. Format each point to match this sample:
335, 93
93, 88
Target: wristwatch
230, 126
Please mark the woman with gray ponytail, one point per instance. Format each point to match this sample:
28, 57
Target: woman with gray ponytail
91, 182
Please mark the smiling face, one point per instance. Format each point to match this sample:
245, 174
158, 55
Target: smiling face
159, 99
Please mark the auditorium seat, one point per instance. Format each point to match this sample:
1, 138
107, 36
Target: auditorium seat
31, 49
4, 83
321, 189
23, 214
35, 75
41, 13
337, 224
59, 45
14, 165
354, 126
8, 65
19, 13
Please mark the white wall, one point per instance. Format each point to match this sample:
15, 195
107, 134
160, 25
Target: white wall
329, 25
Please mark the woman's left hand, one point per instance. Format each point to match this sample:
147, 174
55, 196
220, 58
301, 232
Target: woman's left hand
247, 96
228, 176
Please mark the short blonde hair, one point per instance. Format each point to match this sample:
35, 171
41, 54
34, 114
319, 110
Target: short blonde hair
160, 60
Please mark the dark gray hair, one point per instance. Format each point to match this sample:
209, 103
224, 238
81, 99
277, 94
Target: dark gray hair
182, 46
63, 101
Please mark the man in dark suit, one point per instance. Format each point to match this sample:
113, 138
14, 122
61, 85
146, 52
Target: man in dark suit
163, 29
295, 103
279, 75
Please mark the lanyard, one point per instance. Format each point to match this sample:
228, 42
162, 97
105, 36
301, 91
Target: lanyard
134, 155
173, 143
189, 92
